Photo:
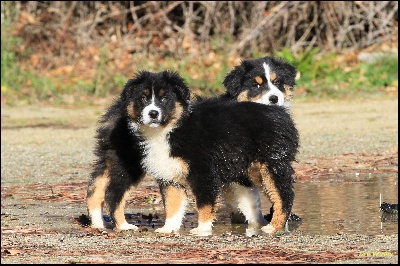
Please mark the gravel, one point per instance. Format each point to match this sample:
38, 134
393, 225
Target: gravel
43, 148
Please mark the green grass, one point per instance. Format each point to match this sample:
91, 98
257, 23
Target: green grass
320, 76
18, 85
323, 77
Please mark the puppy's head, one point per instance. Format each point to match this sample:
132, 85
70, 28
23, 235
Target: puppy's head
264, 80
155, 99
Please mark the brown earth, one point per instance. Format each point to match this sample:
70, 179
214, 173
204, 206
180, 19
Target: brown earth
46, 157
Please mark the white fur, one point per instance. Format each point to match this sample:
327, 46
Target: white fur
126, 226
286, 104
173, 224
158, 162
203, 229
269, 229
248, 202
133, 127
146, 119
96, 218
273, 90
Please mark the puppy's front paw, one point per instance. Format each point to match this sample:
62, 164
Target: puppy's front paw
199, 232
166, 230
98, 225
253, 231
269, 229
204, 229
127, 226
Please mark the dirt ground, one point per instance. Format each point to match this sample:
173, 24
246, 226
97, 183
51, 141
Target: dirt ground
47, 154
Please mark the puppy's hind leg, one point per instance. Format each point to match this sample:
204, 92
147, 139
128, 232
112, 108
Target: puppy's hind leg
248, 202
116, 193
279, 190
95, 198
281, 195
231, 202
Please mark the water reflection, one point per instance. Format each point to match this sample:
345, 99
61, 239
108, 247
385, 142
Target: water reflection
337, 204
346, 204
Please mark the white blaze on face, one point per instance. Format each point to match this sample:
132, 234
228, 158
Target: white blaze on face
273, 90
153, 109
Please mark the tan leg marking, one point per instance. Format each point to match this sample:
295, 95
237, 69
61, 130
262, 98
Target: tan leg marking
206, 217
174, 198
254, 173
175, 205
119, 214
95, 199
263, 177
206, 214
96, 192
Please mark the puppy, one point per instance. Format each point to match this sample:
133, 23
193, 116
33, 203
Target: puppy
264, 80
203, 147
246, 82
119, 150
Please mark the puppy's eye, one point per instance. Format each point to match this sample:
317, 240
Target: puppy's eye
256, 85
164, 99
143, 99
276, 82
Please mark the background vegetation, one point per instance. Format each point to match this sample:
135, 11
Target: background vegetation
84, 51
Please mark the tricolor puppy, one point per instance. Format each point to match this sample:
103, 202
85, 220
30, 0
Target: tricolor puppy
202, 147
264, 80
117, 168
119, 150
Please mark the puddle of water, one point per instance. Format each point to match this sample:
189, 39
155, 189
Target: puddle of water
336, 204
347, 204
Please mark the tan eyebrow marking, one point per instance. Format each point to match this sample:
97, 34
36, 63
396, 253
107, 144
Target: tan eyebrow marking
146, 92
162, 92
259, 80
273, 76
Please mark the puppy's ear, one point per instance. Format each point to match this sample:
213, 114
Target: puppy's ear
179, 85
288, 71
132, 83
233, 80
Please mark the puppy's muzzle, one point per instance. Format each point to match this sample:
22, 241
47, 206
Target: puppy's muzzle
273, 99
153, 114
152, 118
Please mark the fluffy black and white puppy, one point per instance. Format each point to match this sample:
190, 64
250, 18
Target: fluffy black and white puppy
202, 147
250, 81
119, 150
265, 80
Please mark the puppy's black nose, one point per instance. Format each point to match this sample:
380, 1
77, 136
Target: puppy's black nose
153, 114
273, 99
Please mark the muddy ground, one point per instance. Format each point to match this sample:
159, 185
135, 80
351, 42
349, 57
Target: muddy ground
46, 157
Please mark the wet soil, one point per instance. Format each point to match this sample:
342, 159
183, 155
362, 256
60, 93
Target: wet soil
47, 154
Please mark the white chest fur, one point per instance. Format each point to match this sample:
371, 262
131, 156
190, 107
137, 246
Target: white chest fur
158, 162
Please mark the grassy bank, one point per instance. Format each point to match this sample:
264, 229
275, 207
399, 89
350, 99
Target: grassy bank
100, 71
